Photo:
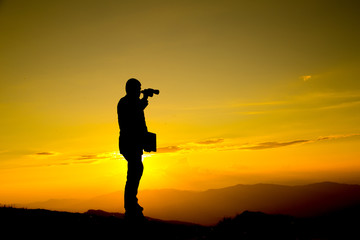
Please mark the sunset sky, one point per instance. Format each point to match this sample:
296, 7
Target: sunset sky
250, 92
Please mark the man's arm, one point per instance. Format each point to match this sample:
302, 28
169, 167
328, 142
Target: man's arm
144, 102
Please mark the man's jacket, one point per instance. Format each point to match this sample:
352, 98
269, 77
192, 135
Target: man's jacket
132, 124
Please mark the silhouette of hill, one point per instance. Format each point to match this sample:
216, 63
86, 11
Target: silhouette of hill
208, 207
18, 223
342, 224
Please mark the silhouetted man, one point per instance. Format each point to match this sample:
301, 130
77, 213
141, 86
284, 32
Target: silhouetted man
133, 130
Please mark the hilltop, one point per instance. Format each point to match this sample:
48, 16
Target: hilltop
20, 222
44, 224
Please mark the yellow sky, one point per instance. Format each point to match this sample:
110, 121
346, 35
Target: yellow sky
250, 91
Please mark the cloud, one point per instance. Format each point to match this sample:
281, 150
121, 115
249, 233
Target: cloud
89, 156
211, 141
45, 153
306, 78
332, 137
73, 159
221, 144
169, 149
214, 145
205, 144
341, 105
218, 144
67, 160
267, 145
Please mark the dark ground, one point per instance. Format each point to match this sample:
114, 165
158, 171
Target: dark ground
16, 223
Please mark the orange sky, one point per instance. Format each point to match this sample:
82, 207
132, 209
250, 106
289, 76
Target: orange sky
249, 92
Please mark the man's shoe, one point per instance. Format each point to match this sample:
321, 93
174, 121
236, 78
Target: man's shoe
135, 217
139, 208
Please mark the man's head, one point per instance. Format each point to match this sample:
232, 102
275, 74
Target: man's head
133, 88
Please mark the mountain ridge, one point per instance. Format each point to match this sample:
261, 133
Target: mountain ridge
209, 206
45, 224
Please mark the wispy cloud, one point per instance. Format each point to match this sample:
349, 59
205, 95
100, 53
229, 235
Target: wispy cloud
306, 77
45, 153
49, 158
341, 105
231, 105
211, 141
224, 145
89, 157
266, 145
221, 145
313, 101
169, 149
268, 103
198, 145
339, 136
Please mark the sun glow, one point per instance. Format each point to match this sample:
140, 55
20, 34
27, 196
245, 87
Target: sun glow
240, 99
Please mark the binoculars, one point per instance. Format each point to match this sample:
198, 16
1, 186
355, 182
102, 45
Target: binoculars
150, 92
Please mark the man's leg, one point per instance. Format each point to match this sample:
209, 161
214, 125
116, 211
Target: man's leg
134, 174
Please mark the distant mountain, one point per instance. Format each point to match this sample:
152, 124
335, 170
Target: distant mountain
54, 204
208, 207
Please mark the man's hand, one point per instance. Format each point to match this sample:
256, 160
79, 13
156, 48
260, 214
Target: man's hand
144, 102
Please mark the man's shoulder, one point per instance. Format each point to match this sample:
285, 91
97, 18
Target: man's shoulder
123, 100
122, 103
128, 103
